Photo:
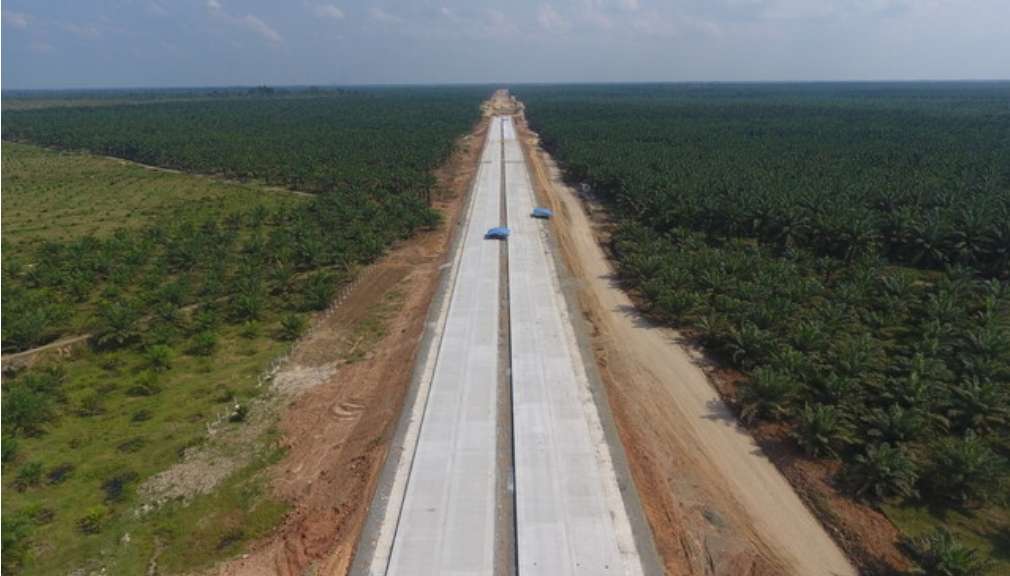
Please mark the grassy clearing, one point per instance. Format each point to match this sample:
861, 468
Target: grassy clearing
62, 196
103, 421
120, 422
985, 529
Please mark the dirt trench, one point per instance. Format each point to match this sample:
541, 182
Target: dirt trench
716, 504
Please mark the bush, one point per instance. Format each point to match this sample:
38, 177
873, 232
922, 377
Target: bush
90, 404
10, 448
247, 305
292, 326
145, 385
25, 411
27, 476
28, 402
317, 291
964, 470
116, 325
822, 430
93, 520
768, 395
882, 472
159, 357
940, 554
30, 318
204, 343
17, 530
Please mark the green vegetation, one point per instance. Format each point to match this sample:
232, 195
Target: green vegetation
187, 288
847, 247
52, 196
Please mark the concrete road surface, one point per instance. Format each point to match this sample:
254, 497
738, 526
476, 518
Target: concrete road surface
570, 518
447, 520
566, 515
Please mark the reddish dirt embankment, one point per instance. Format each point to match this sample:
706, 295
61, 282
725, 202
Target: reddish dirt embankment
716, 504
345, 397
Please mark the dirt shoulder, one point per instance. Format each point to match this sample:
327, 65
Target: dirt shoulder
716, 504
346, 382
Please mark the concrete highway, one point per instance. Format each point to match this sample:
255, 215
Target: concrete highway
447, 520
566, 515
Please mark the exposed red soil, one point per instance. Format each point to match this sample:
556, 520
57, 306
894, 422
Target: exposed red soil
337, 431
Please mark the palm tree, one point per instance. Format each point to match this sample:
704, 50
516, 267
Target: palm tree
883, 471
940, 554
768, 395
822, 430
964, 470
979, 405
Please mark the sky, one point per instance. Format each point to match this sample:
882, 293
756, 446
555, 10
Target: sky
152, 43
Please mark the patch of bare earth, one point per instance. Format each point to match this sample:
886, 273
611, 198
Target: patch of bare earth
715, 502
345, 384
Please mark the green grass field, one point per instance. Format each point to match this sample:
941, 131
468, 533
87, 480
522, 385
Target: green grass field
115, 418
61, 196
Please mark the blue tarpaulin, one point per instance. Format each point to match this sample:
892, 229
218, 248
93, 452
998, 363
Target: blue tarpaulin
498, 233
542, 213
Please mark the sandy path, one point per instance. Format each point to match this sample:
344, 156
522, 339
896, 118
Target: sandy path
716, 504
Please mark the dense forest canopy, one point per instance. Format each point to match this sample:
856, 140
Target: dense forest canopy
845, 246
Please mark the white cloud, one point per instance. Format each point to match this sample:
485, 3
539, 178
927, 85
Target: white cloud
250, 22
330, 11
550, 20
156, 8
16, 19
84, 32
40, 47
380, 15
478, 24
262, 28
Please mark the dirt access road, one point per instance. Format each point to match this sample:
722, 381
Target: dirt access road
716, 504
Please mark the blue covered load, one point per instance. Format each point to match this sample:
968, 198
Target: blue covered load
498, 233
542, 213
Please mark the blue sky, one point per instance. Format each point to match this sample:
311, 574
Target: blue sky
116, 43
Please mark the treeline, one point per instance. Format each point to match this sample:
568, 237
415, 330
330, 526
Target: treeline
367, 139
848, 252
369, 156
